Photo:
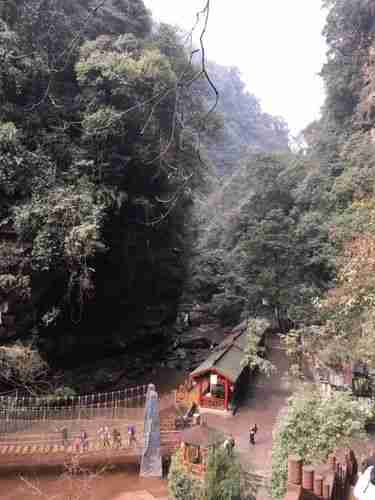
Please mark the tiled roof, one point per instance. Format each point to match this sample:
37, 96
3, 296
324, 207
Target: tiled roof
202, 435
226, 358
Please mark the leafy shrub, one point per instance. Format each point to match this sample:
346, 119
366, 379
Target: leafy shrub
181, 485
312, 427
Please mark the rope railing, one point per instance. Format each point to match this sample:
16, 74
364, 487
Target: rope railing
112, 422
18, 414
18, 400
10, 423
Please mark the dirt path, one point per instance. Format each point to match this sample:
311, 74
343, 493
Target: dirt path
261, 406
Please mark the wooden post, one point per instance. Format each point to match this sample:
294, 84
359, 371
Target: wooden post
318, 486
308, 478
200, 392
326, 490
295, 470
226, 385
332, 461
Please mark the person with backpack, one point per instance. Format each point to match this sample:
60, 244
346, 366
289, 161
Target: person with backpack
365, 486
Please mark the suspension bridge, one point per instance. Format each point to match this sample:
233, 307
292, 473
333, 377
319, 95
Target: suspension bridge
47, 431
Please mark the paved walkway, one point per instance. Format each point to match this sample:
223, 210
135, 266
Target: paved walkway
262, 405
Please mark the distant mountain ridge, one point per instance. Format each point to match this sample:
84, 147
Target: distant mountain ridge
246, 128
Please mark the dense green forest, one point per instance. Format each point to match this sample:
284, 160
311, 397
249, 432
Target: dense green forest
290, 235
105, 145
139, 181
120, 198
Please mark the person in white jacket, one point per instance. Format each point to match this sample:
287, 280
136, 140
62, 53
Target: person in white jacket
365, 487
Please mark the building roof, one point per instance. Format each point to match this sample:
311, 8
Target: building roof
226, 358
202, 435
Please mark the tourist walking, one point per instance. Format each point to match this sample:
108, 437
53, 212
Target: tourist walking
64, 436
229, 445
77, 444
106, 437
116, 437
84, 440
252, 433
101, 433
131, 435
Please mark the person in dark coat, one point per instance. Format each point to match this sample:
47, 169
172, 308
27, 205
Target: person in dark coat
65, 436
252, 434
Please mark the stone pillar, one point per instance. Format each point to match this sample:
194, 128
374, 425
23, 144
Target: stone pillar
308, 478
151, 463
318, 486
295, 470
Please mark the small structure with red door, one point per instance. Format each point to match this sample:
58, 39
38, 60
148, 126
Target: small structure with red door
217, 379
196, 444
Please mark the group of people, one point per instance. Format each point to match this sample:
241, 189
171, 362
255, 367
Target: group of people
107, 438
230, 443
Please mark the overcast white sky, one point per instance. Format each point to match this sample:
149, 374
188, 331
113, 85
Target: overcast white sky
277, 45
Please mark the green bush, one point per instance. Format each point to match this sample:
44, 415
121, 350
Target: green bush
312, 427
223, 477
182, 486
222, 480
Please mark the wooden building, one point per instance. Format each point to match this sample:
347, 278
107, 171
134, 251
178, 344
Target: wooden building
216, 380
196, 444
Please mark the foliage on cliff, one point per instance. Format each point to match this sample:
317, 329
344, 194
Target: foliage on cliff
290, 236
102, 114
96, 166
265, 248
245, 126
340, 328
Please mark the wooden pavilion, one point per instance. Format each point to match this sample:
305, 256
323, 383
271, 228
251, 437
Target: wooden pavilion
196, 444
216, 380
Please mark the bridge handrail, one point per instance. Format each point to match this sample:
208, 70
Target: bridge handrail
58, 440
120, 394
